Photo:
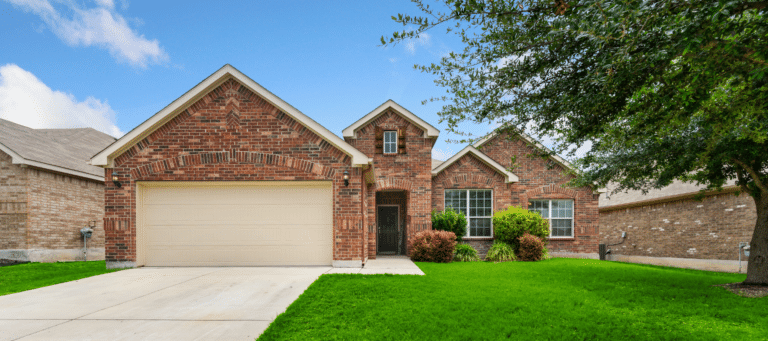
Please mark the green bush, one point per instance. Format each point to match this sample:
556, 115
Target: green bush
546, 254
451, 221
531, 248
515, 221
500, 252
465, 253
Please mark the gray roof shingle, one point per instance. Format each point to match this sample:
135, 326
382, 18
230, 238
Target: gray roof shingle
65, 148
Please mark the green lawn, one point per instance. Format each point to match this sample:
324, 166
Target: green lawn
558, 299
16, 278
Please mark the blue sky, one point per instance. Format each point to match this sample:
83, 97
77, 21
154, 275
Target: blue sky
111, 65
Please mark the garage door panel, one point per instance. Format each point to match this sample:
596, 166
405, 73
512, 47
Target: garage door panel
235, 194
173, 214
262, 236
267, 255
213, 224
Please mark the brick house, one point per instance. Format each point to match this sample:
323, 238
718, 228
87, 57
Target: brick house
48, 193
230, 174
672, 223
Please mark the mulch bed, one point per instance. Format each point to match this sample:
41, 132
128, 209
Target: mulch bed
746, 290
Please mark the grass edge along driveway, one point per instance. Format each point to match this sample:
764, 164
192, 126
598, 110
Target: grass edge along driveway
23, 277
558, 299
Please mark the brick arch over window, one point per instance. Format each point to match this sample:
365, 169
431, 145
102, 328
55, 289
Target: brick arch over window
548, 189
236, 157
451, 181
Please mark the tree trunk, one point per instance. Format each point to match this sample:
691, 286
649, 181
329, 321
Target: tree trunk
757, 270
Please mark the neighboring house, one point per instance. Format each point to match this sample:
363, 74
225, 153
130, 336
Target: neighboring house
48, 193
230, 174
670, 222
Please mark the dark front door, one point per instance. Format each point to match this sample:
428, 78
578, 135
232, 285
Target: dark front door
388, 229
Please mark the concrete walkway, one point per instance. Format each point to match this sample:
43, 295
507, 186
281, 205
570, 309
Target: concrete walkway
156, 304
396, 265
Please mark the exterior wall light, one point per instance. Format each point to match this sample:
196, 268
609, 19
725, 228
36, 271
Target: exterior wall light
346, 178
116, 181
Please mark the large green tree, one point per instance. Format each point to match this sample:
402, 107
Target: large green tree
661, 90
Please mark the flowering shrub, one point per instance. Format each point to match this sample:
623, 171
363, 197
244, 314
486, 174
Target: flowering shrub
531, 248
432, 246
465, 253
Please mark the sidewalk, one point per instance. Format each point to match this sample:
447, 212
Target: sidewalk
396, 265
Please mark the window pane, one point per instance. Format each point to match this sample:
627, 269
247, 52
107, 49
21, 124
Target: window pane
562, 227
562, 209
480, 204
480, 227
540, 206
457, 200
390, 142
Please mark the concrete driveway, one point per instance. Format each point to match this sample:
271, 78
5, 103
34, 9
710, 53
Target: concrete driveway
156, 304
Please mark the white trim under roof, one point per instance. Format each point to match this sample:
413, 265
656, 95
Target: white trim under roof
530, 140
484, 158
429, 130
106, 157
16, 159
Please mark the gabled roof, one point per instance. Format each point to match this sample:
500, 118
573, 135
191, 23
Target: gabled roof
484, 158
527, 138
106, 156
429, 130
59, 150
567, 165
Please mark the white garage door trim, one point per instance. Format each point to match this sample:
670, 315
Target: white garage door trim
323, 188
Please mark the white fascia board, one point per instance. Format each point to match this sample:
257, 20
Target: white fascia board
16, 159
484, 158
105, 157
530, 140
428, 128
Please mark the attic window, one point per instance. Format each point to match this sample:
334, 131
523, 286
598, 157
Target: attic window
390, 142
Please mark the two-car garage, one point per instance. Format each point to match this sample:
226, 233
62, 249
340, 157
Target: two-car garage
259, 223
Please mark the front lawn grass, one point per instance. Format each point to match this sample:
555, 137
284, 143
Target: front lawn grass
21, 277
558, 299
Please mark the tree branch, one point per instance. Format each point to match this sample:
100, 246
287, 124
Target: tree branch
756, 177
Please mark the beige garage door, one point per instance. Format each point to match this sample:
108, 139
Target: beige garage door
235, 224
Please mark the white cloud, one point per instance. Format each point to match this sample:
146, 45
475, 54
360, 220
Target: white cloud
424, 39
441, 154
100, 26
25, 100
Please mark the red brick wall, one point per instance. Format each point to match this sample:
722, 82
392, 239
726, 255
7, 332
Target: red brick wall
543, 179
13, 204
410, 172
707, 229
469, 172
59, 206
232, 134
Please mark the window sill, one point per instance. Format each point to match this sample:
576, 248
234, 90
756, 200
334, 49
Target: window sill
562, 238
477, 238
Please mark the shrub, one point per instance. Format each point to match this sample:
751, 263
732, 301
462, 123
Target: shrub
500, 252
451, 221
514, 222
545, 255
465, 253
432, 246
531, 248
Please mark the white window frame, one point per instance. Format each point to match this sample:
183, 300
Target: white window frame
393, 142
549, 219
466, 193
